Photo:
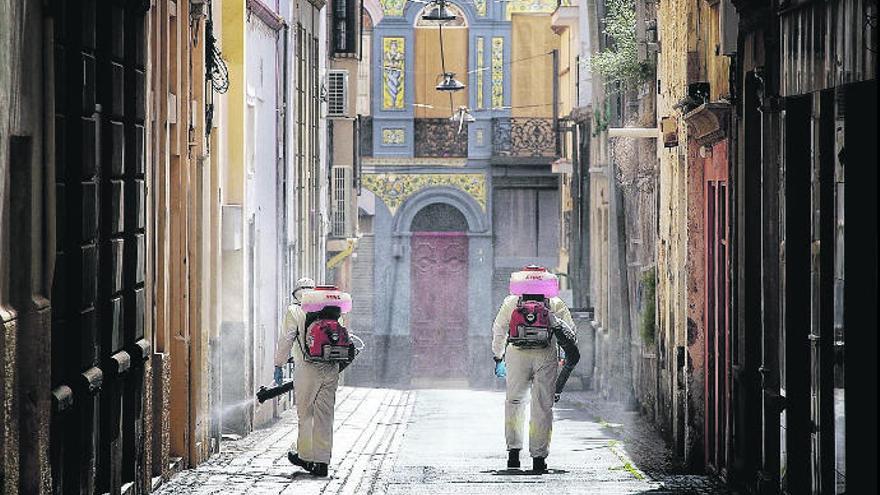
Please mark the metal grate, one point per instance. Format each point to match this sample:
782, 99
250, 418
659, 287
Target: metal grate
337, 93
341, 197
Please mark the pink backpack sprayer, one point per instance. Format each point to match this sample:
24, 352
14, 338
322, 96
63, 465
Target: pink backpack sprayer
530, 322
326, 340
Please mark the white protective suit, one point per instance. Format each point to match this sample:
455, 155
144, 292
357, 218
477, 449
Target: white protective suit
314, 389
528, 367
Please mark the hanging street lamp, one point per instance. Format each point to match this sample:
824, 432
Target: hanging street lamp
439, 13
450, 83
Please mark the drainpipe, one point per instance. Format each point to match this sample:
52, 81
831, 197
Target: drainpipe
555, 54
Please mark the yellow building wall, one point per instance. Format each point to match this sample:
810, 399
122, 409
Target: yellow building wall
531, 66
673, 63
428, 70
234, 53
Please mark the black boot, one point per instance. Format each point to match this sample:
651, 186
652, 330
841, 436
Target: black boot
319, 469
296, 461
539, 464
513, 459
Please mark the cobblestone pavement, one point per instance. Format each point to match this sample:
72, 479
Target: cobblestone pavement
390, 442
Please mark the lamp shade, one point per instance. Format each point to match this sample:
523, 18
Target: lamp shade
439, 13
450, 83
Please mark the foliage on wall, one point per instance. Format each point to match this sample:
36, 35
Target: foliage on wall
619, 61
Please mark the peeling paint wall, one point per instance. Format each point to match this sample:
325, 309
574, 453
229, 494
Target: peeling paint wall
689, 54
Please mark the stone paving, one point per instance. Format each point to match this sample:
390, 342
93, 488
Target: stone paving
390, 442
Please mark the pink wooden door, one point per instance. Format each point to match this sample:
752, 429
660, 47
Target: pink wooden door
717, 307
439, 302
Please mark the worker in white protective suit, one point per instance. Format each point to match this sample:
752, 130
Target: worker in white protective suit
529, 367
314, 387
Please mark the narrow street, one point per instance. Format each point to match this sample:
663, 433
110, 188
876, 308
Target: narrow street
392, 442
203, 202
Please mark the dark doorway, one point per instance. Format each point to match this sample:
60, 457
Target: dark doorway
795, 356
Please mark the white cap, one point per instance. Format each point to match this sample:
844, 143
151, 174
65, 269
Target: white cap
302, 284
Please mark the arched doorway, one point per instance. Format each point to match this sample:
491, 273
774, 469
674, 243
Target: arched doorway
439, 296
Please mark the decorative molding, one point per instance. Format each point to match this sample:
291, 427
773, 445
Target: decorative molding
410, 162
480, 7
531, 7
394, 189
708, 123
266, 14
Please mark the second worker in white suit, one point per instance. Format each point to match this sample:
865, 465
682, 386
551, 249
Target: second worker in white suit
523, 337
313, 332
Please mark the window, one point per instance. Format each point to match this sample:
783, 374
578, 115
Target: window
345, 27
527, 223
337, 93
341, 198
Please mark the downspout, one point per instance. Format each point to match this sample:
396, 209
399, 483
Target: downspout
286, 284
555, 54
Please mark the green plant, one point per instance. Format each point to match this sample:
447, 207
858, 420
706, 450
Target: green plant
648, 320
620, 60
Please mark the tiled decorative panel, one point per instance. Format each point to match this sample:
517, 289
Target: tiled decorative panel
497, 72
480, 6
531, 6
393, 73
393, 8
394, 137
394, 189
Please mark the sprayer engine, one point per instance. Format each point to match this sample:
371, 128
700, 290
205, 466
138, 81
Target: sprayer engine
327, 341
530, 324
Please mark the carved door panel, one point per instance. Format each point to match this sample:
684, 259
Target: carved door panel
439, 318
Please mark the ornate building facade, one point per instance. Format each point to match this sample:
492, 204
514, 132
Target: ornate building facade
449, 207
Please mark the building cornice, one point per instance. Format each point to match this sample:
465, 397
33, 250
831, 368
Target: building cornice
266, 14
708, 123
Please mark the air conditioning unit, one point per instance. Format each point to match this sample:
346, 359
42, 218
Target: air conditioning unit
337, 93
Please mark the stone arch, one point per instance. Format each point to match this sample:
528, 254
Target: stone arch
439, 217
463, 202
374, 10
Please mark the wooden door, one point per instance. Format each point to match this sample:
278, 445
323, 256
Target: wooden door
439, 302
98, 295
717, 307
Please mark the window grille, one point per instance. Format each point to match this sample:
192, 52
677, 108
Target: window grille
341, 197
337, 93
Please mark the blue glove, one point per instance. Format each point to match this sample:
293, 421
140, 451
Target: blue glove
500, 369
279, 375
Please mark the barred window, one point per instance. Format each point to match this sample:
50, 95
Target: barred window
341, 198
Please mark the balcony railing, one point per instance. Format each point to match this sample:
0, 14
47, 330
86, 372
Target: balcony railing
439, 138
524, 137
